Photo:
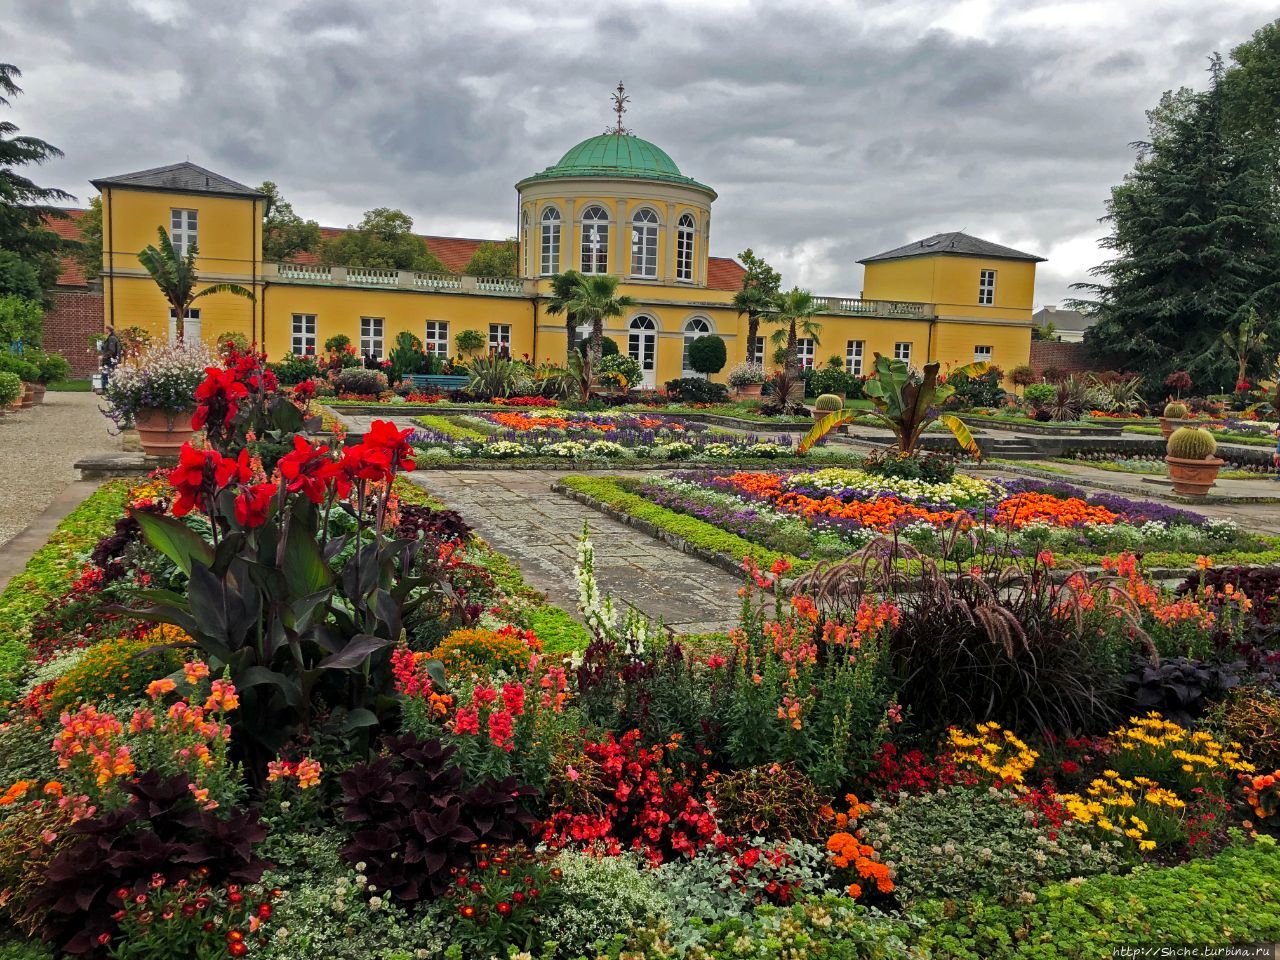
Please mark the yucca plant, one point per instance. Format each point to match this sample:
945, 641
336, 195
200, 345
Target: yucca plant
176, 277
904, 404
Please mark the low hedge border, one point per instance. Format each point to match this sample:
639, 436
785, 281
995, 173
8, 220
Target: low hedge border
707, 542
1231, 898
1222, 437
50, 571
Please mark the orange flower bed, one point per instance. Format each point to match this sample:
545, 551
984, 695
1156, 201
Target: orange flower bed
1024, 508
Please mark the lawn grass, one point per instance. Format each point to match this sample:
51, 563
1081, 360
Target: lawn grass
71, 386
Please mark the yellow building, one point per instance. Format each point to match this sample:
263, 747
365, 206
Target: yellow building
614, 204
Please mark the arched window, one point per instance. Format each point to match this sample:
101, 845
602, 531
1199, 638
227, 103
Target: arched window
684, 248
694, 328
595, 240
644, 243
550, 241
642, 346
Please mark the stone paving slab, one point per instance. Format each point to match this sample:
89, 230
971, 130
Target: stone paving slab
519, 515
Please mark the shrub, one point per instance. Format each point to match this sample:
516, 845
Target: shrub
26, 371
10, 388
696, 390
1192, 443
1229, 898
1179, 381
406, 356
359, 381
1039, 394
118, 670
621, 365
161, 831
20, 320
775, 801
602, 895
413, 821
929, 467
292, 369
608, 346
834, 380
52, 366
964, 842
1023, 376
983, 390
435, 525
469, 341
707, 354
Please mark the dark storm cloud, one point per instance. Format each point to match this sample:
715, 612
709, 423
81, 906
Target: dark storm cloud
831, 131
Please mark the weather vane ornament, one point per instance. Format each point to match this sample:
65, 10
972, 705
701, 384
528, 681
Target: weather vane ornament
620, 101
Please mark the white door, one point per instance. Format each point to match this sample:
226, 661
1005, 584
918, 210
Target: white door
642, 346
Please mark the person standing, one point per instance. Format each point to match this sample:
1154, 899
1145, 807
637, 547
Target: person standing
111, 351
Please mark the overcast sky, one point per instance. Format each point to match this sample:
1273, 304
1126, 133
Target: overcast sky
831, 131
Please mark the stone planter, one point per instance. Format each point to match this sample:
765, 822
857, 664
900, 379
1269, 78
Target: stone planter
28, 396
1193, 477
750, 391
163, 433
40, 389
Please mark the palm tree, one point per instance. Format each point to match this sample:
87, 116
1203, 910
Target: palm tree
755, 302
794, 314
563, 286
594, 299
176, 277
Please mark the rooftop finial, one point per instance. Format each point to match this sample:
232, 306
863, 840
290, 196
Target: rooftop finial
620, 101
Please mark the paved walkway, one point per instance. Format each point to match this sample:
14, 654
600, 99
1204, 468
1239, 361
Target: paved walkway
39, 446
518, 514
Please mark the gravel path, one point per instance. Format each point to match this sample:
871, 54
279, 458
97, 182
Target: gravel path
37, 450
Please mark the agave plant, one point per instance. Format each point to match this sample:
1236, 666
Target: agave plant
903, 403
491, 376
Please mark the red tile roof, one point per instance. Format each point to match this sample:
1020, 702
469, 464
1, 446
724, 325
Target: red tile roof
71, 273
456, 253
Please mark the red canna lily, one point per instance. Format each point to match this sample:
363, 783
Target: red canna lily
308, 469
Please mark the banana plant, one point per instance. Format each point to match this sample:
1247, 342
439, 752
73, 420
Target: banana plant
906, 407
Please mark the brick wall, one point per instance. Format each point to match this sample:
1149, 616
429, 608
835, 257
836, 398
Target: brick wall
76, 315
1066, 357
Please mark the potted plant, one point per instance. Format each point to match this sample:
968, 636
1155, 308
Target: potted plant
827, 403
155, 391
1174, 410
10, 390
26, 371
52, 367
747, 378
1192, 464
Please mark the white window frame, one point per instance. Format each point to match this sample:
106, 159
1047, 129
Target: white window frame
435, 338
642, 344
757, 351
982, 354
549, 248
986, 288
806, 348
190, 329
304, 335
499, 337
372, 336
686, 232
694, 328
902, 350
853, 354
595, 240
184, 227
644, 244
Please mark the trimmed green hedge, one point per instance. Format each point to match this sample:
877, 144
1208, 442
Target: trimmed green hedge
612, 493
1231, 898
50, 571
1245, 439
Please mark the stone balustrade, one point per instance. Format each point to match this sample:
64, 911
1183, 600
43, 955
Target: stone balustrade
400, 279
856, 306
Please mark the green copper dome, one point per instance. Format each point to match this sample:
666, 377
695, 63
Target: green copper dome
618, 155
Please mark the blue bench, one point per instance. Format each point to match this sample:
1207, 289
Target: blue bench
441, 381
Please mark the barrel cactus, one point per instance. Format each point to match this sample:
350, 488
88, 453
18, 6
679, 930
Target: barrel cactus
828, 402
1192, 443
1175, 411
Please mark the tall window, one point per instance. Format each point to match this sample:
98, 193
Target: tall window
804, 352
853, 357
694, 328
500, 338
902, 351
982, 354
371, 337
595, 240
684, 248
757, 351
642, 344
644, 243
550, 241
304, 334
987, 288
436, 338
190, 329
182, 230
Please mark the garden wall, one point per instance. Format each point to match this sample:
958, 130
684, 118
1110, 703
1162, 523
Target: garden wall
75, 317
1065, 357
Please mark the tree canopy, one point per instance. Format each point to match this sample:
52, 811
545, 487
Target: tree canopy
24, 205
284, 233
1195, 227
90, 252
493, 260
383, 239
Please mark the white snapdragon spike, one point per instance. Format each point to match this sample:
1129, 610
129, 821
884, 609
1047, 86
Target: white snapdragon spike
598, 612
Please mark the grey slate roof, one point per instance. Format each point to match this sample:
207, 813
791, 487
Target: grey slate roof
1072, 320
183, 177
953, 244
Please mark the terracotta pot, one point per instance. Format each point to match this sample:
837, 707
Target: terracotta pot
1193, 477
1166, 427
750, 391
28, 396
162, 433
40, 391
